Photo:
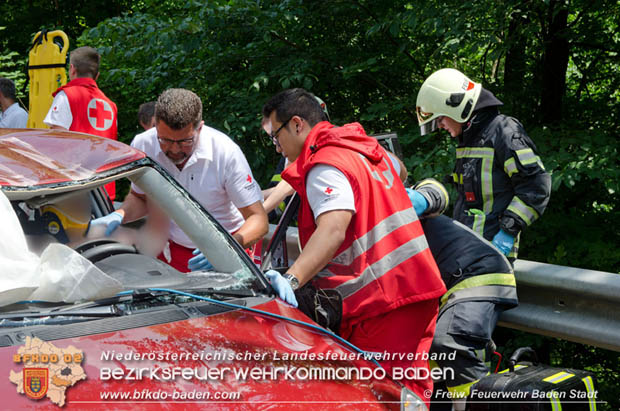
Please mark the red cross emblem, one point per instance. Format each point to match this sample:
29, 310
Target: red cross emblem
100, 114
249, 179
328, 190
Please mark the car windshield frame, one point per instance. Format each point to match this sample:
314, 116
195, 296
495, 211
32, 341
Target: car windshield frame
221, 249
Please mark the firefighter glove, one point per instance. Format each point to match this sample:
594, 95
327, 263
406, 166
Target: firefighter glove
503, 241
110, 221
199, 263
420, 204
282, 286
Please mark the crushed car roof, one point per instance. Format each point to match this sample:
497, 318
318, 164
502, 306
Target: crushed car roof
30, 157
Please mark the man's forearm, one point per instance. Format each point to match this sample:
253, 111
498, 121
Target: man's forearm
255, 226
279, 193
133, 208
320, 249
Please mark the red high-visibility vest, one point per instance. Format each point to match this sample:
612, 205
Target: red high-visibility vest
92, 112
384, 261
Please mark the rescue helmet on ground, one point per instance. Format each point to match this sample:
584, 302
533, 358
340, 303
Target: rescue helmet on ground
446, 92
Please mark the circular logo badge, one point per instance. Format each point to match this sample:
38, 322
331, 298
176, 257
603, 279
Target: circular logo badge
100, 114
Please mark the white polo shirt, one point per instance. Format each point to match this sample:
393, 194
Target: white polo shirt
217, 174
14, 117
59, 113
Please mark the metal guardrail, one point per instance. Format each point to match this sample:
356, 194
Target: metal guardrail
569, 303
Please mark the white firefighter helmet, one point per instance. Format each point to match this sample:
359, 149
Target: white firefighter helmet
446, 92
323, 106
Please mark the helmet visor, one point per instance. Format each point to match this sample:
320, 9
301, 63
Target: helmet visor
422, 115
429, 127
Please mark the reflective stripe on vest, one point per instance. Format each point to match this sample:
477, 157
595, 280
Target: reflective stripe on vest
591, 392
485, 285
510, 167
527, 156
385, 227
479, 219
558, 377
381, 267
486, 172
527, 213
276, 178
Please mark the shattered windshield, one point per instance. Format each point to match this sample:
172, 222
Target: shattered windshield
65, 259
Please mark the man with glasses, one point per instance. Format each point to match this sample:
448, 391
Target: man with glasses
208, 164
360, 235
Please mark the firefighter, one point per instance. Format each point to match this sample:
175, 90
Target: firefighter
501, 182
352, 200
480, 283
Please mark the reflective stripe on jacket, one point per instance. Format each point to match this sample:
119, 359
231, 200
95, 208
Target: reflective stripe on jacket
498, 173
471, 267
384, 261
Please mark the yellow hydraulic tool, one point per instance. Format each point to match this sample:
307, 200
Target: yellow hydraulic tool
46, 70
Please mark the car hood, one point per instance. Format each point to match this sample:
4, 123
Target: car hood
134, 361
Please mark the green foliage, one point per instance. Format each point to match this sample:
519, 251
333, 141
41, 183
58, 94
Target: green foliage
578, 227
367, 59
11, 66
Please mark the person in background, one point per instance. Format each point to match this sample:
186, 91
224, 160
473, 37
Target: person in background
209, 165
81, 106
501, 182
359, 233
146, 115
12, 116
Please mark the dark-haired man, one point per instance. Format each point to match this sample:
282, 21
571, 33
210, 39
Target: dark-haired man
208, 164
12, 115
146, 115
359, 232
80, 106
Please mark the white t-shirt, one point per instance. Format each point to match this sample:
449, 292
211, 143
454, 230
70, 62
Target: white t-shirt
328, 189
59, 113
14, 117
217, 174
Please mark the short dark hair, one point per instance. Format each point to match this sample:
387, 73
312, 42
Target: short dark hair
178, 107
86, 61
7, 88
146, 112
295, 102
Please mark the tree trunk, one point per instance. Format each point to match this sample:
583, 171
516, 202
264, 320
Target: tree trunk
517, 98
555, 63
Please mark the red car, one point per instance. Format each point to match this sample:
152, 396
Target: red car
216, 340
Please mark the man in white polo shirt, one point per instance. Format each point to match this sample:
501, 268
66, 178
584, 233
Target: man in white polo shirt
208, 164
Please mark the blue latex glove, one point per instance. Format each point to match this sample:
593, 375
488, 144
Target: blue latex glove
503, 241
420, 204
110, 221
282, 287
199, 263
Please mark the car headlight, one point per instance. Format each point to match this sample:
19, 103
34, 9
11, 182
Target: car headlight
410, 401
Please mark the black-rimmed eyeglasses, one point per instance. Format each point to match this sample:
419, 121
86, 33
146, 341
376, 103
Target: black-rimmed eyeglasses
274, 136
